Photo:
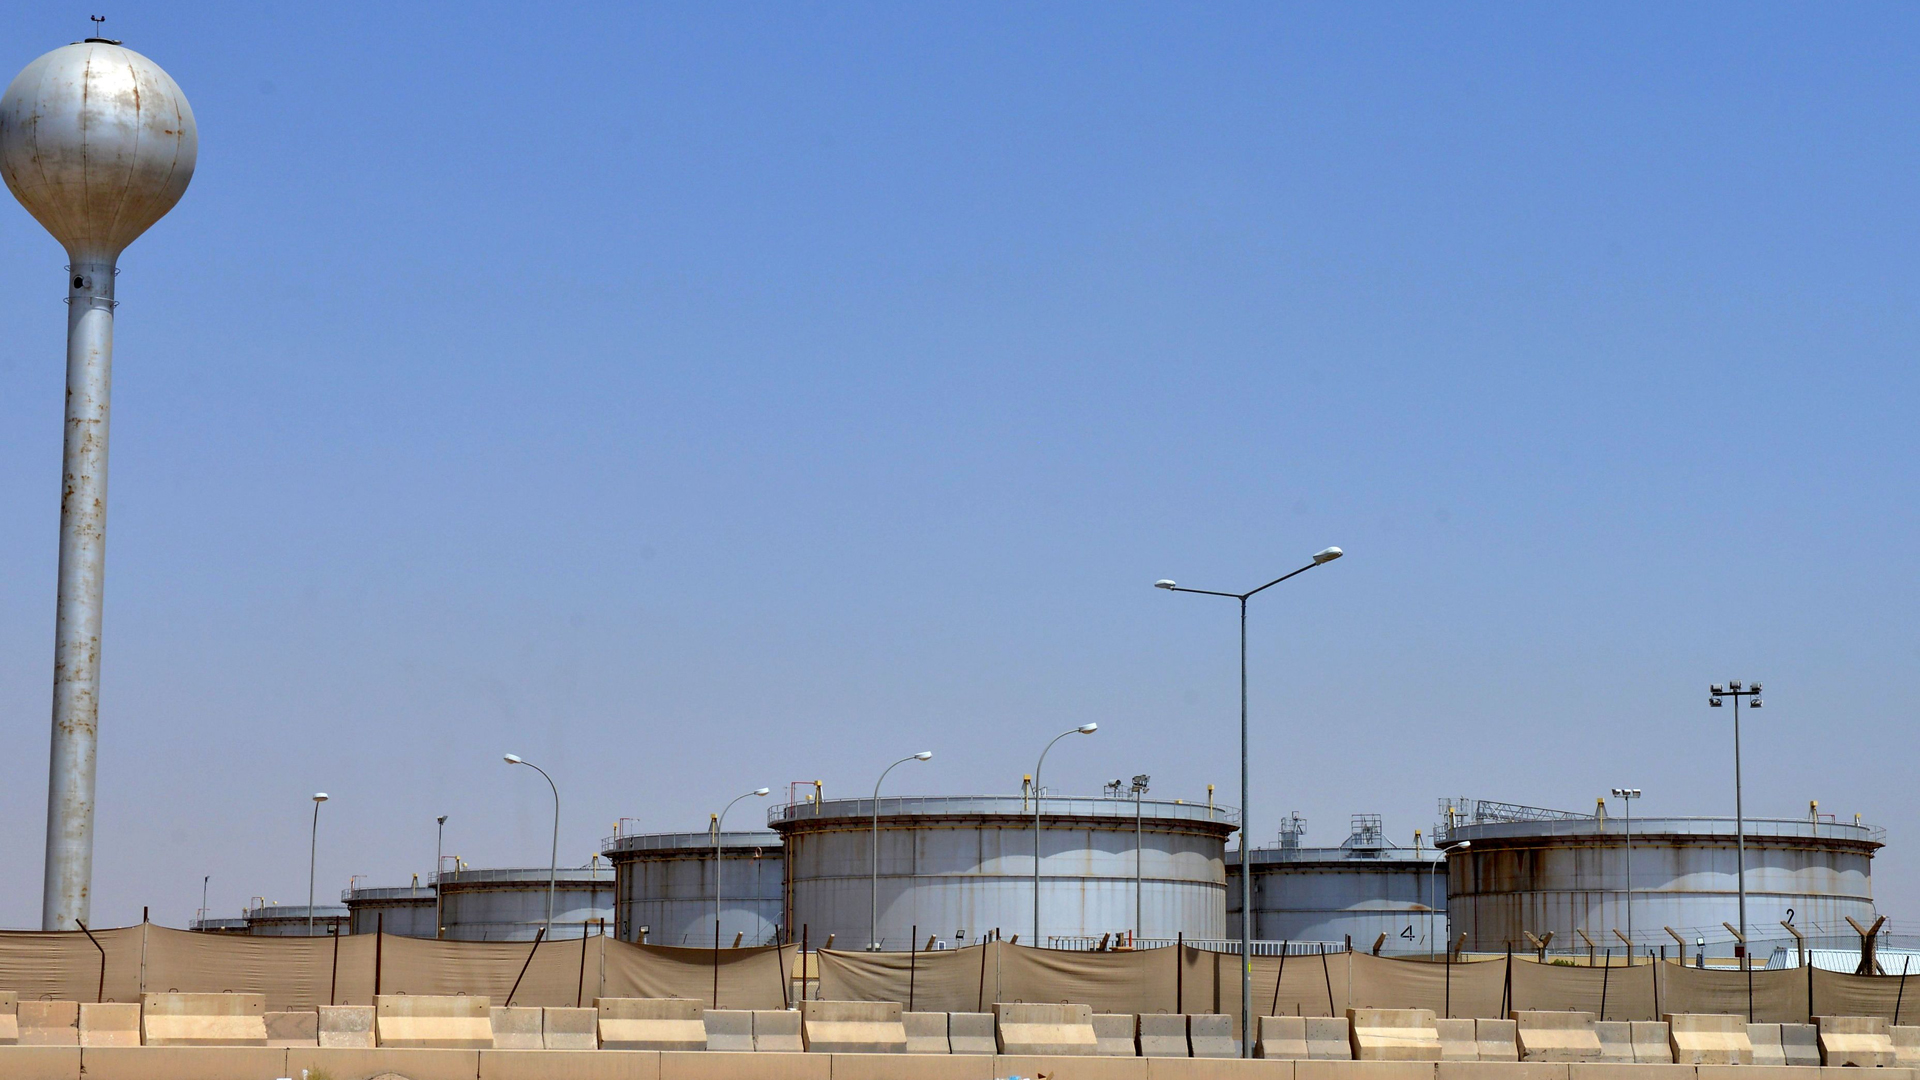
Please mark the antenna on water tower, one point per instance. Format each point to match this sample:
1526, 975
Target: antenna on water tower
98, 143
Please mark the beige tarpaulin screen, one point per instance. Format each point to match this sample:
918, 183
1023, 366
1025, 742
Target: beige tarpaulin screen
1314, 985
294, 972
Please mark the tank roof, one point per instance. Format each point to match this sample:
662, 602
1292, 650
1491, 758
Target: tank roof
565, 875
1014, 807
1705, 828
689, 841
364, 893
296, 911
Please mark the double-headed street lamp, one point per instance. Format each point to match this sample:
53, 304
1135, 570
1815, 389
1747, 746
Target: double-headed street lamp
439, 845
1325, 555
553, 863
1626, 795
1083, 729
1433, 892
313, 851
1734, 691
719, 824
1138, 789
873, 922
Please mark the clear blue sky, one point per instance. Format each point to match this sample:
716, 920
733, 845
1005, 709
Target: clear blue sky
692, 398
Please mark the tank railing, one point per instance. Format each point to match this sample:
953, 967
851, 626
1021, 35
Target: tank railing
1720, 945
568, 875
1082, 943
689, 841
1791, 828
389, 892
1005, 805
297, 911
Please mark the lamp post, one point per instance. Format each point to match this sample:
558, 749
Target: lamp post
1433, 896
1325, 555
873, 920
719, 823
439, 845
1083, 729
313, 851
203, 898
1734, 691
1626, 795
553, 863
1139, 847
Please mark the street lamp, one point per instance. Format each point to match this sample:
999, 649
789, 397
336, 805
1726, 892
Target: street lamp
1626, 795
873, 921
553, 863
1139, 788
1083, 729
1433, 896
439, 845
719, 823
1734, 691
1321, 557
313, 850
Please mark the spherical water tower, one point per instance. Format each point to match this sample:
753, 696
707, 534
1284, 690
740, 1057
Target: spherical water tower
98, 144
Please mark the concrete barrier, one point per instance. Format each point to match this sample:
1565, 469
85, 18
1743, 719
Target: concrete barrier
1044, 1030
852, 1027
517, 1028
182, 1063
346, 1027
1210, 1035
433, 1021
1855, 1040
109, 1023
1906, 1044
972, 1033
1650, 1043
40, 1062
1163, 1035
1457, 1040
729, 1029
9, 1018
926, 1032
569, 1029
49, 1023
347, 1063
651, 1024
1113, 1034
300, 1027
203, 1020
1281, 1038
1616, 1041
1765, 1039
1393, 1035
1328, 1038
1800, 1044
899, 1067
777, 1031
1499, 1039
561, 1065
1556, 1036
1708, 1039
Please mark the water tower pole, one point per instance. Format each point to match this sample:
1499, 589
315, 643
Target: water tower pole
97, 142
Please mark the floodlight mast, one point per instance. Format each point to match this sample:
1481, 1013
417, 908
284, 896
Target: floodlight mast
98, 143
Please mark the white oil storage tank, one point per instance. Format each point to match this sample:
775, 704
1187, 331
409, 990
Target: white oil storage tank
511, 904
406, 910
664, 887
1364, 888
1518, 870
961, 868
